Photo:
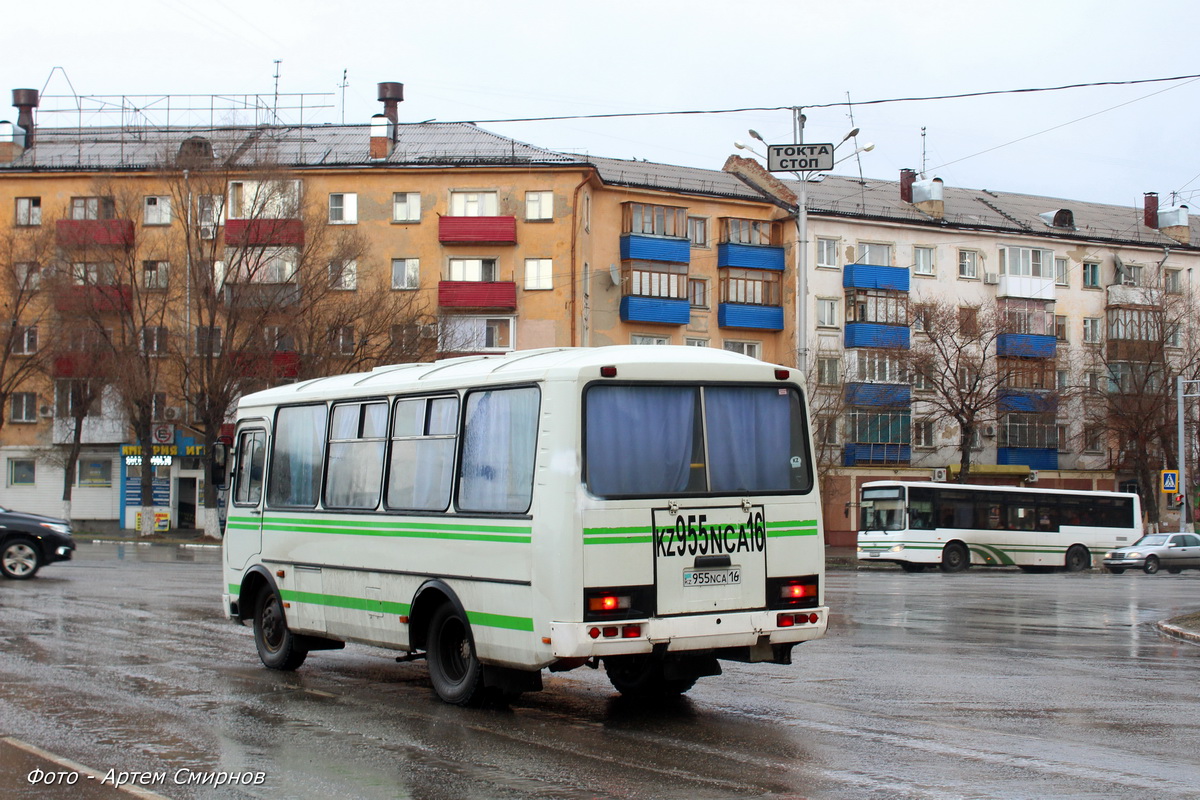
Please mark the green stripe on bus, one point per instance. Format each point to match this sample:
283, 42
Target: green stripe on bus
506, 534
500, 621
341, 601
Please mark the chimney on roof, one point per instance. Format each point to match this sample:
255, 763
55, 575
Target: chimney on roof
381, 137
1171, 221
391, 94
1150, 210
907, 178
25, 100
927, 196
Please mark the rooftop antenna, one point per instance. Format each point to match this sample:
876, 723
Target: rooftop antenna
275, 101
857, 153
922, 152
343, 86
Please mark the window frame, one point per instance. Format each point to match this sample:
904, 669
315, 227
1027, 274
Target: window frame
28, 211
826, 246
411, 206
539, 206
541, 277
929, 269
23, 408
412, 269
345, 211
971, 274
161, 214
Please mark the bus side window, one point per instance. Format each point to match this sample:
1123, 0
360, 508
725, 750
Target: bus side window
249, 478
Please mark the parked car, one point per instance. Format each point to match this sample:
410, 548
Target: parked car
1170, 551
30, 541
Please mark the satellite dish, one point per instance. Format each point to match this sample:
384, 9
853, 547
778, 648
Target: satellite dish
615, 274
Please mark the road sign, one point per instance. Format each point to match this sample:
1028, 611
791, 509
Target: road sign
800, 157
1170, 481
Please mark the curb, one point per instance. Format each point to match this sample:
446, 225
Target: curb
1176, 632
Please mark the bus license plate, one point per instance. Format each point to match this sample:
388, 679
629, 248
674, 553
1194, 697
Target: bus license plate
712, 577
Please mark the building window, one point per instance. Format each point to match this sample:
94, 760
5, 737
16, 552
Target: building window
155, 274
94, 473
342, 341
24, 340
406, 273
1093, 330
208, 340
23, 407
1062, 379
1060, 271
752, 349
827, 253
1063, 436
92, 273
1129, 274
473, 269
343, 275
539, 273
698, 231
1091, 275
474, 334
68, 399
829, 371
827, 312
648, 220
1093, 439
968, 320
158, 407
154, 341
923, 261
278, 339
920, 381
22, 472
1060, 327
698, 292
750, 231
210, 212
29, 211
1172, 282
641, 339
968, 264
406, 207
827, 429
878, 255
343, 208
689, 342
1026, 262
657, 279
92, 208
28, 275
156, 210
922, 433
539, 205
473, 204
759, 287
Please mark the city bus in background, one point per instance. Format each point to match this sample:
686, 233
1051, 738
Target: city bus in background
650, 509
919, 525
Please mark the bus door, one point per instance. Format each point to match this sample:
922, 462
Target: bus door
710, 558
243, 526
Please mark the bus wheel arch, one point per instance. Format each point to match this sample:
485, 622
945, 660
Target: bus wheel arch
956, 557
251, 587
1078, 558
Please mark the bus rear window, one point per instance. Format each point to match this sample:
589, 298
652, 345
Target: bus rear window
647, 441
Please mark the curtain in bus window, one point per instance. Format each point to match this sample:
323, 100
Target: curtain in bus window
750, 438
499, 445
355, 470
423, 454
295, 478
639, 439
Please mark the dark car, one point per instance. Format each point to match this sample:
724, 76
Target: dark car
30, 541
1170, 551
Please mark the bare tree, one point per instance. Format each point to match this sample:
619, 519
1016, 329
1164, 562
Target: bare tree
25, 252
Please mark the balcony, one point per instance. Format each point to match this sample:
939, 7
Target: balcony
1026, 286
1026, 402
750, 317
751, 256
639, 247
880, 395
84, 300
264, 232
477, 230
1032, 457
873, 334
477, 294
261, 295
867, 276
79, 233
661, 310
1025, 345
857, 455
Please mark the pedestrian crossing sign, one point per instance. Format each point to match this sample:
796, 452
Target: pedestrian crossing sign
1170, 481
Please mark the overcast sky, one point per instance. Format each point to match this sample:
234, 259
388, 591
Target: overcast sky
476, 60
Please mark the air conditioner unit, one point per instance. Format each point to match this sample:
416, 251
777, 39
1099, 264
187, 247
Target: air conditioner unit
46, 411
172, 414
208, 231
939, 474
991, 278
1033, 476
427, 331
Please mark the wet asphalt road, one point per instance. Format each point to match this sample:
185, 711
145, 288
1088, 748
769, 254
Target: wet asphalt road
989, 684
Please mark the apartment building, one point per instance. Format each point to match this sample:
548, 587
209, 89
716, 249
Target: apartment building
479, 243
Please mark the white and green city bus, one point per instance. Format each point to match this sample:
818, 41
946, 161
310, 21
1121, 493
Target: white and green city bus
917, 525
652, 509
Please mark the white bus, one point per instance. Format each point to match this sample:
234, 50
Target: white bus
917, 525
652, 509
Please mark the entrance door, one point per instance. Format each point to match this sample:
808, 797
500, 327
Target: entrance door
185, 494
243, 525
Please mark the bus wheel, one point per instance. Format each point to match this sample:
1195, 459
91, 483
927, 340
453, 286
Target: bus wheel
278, 647
642, 676
908, 566
1174, 570
1078, 558
1117, 570
1151, 565
456, 673
955, 557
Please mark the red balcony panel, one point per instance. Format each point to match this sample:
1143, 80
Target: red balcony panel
94, 232
477, 294
477, 230
286, 365
264, 232
93, 299
80, 365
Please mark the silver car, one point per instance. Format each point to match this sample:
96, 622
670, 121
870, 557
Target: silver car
1170, 551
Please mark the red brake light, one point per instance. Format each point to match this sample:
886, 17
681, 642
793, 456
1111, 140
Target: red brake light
782, 374
785, 620
608, 372
608, 602
797, 591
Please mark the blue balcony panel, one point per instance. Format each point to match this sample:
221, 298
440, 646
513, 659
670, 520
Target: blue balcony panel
662, 310
741, 315
750, 256
873, 334
1025, 345
860, 454
888, 395
1026, 402
867, 276
655, 248
1032, 457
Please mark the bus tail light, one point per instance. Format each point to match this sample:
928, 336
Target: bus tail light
791, 620
609, 604
802, 591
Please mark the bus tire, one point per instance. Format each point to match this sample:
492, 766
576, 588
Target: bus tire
1117, 570
1151, 565
908, 566
1078, 558
643, 677
278, 647
455, 671
955, 557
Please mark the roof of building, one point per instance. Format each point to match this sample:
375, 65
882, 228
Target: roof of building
467, 145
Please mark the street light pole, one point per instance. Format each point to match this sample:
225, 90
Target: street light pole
1180, 394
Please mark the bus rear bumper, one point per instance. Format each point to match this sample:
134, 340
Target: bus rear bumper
707, 632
